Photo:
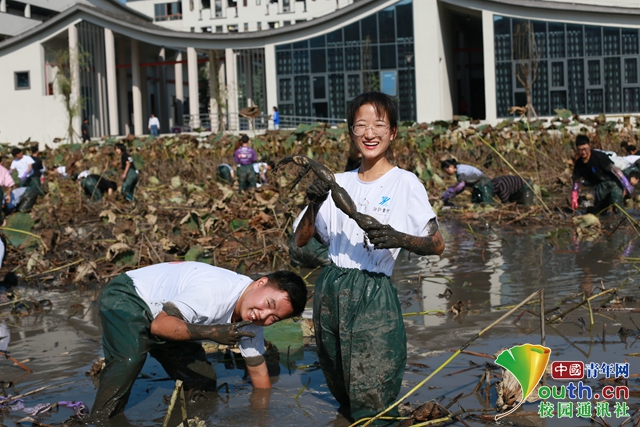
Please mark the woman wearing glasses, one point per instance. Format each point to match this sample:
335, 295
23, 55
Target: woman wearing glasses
358, 323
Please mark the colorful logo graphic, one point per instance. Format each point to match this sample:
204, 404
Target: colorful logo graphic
384, 201
567, 370
527, 363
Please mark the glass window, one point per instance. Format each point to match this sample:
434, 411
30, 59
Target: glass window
611, 41
320, 109
302, 96
612, 85
283, 62
595, 104
22, 80
556, 40
300, 61
336, 95
318, 61
387, 56
319, 87
334, 38
387, 26
304, 44
335, 62
575, 73
352, 33
557, 74
317, 41
592, 41
370, 29
404, 19
574, 40
631, 71
540, 37
629, 41
353, 85
283, 47
594, 76
352, 58
285, 90
502, 36
388, 85
631, 99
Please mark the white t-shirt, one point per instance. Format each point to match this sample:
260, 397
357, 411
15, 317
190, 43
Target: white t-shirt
154, 121
631, 158
22, 165
204, 294
397, 198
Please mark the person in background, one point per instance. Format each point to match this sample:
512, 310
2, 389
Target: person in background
245, 157
511, 189
23, 165
597, 169
467, 176
6, 182
359, 329
154, 126
129, 174
85, 130
37, 178
96, 186
276, 118
225, 173
261, 169
166, 309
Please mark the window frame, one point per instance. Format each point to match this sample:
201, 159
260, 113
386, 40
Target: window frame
15, 80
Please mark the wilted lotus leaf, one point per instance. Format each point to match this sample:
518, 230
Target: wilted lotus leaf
84, 270
49, 239
193, 187
151, 219
18, 222
191, 221
117, 249
227, 192
153, 180
125, 226
167, 245
197, 253
175, 182
111, 217
586, 221
178, 200
194, 422
208, 224
36, 260
261, 220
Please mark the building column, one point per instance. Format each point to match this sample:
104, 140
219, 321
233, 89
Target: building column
232, 89
432, 86
214, 115
74, 74
27, 11
163, 102
123, 90
112, 88
271, 78
3, 6
179, 86
491, 107
144, 96
135, 88
192, 75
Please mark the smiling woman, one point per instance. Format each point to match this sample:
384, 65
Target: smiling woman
354, 297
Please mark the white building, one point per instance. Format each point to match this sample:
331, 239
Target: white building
439, 57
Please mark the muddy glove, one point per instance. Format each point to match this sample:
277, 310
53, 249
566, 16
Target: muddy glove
318, 191
228, 333
383, 236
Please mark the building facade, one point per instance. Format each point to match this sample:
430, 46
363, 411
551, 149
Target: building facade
439, 58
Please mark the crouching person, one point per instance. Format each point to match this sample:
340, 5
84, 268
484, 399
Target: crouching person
96, 186
162, 309
511, 189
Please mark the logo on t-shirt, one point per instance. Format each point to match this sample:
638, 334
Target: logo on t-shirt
384, 201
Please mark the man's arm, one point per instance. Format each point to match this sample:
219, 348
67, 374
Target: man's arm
259, 375
171, 328
623, 179
317, 194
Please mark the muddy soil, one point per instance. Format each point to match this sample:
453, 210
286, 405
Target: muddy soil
487, 269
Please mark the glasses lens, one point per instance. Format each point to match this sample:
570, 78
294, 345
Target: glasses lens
378, 130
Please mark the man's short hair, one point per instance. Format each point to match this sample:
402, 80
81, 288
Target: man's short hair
293, 285
635, 174
16, 151
582, 140
244, 139
35, 149
382, 103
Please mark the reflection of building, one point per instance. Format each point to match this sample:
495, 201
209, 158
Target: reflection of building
460, 51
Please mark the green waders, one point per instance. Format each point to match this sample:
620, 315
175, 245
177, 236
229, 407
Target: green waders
607, 193
246, 177
91, 189
34, 182
313, 254
224, 174
126, 340
482, 191
360, 337
129, 184
523, 196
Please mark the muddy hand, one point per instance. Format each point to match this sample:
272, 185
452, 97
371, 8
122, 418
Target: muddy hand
229, 334
383, 236
318, 191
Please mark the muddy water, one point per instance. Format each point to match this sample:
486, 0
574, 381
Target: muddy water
482, 267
